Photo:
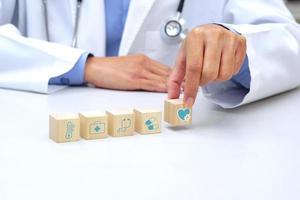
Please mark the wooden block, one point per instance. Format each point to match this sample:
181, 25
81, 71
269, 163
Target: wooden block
120, 123
64, 128
93, 125
147, 121
176, 114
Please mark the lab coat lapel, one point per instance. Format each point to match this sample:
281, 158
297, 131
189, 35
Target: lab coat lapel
138, 11
91, 36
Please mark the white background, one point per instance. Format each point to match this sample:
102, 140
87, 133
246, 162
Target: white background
249, 153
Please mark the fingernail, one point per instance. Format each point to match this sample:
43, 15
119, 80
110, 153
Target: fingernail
189, 102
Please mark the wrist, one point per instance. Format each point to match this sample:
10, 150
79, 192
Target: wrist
88, 69
94, 72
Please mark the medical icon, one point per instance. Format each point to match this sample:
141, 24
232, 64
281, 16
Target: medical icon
152, 124
97, 128
184, 114
125, 124
70, 130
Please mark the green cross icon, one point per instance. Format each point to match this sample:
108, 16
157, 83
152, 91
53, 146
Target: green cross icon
97, 129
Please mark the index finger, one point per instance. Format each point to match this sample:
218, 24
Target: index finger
194, 65
177, 76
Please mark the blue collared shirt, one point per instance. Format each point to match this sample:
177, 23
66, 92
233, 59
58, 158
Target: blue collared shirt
115, 16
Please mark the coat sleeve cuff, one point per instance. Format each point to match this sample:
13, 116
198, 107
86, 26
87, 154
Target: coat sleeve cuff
231, 93
73, 77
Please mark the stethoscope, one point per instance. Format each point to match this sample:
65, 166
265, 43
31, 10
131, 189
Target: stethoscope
77, 18
173, 31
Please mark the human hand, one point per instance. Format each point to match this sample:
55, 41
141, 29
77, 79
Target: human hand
134, 72
210, 53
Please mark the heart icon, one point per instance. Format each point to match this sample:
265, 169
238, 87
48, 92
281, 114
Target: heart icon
184, 114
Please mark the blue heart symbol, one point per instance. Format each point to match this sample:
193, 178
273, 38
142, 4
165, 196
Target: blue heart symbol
184, 114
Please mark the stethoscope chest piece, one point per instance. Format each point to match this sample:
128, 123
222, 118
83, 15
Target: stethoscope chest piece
174, 30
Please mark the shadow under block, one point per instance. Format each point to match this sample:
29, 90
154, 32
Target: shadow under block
147, 121
93, 125
64, 128
176, 114
120, 123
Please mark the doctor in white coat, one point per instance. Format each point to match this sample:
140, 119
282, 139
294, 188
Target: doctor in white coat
238, 51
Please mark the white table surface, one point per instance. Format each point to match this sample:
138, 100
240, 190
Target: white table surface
249, 153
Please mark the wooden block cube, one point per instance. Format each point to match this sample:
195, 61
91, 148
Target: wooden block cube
176, 114
93, 125
120, 123
147, 121
64, 128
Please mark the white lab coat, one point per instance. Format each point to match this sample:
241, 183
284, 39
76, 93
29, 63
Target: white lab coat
27, 61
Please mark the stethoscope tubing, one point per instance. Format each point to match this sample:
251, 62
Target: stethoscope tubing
77, 18
46, 19
74, 42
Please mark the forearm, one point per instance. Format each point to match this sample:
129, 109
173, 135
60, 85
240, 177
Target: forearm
28, 64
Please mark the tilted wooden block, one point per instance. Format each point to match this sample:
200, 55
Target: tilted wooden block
147, 121
64, 128
176, 114
93, 125
120, 123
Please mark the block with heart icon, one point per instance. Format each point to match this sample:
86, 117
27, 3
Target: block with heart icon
93, 125
120, 123
64, 127
176, 114
147, 121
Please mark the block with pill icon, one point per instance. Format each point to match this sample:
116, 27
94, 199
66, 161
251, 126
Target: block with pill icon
120, 123
93, 125
64, 127
147, 121
176, 114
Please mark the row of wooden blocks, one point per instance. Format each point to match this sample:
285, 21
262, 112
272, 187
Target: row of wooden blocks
88, 125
